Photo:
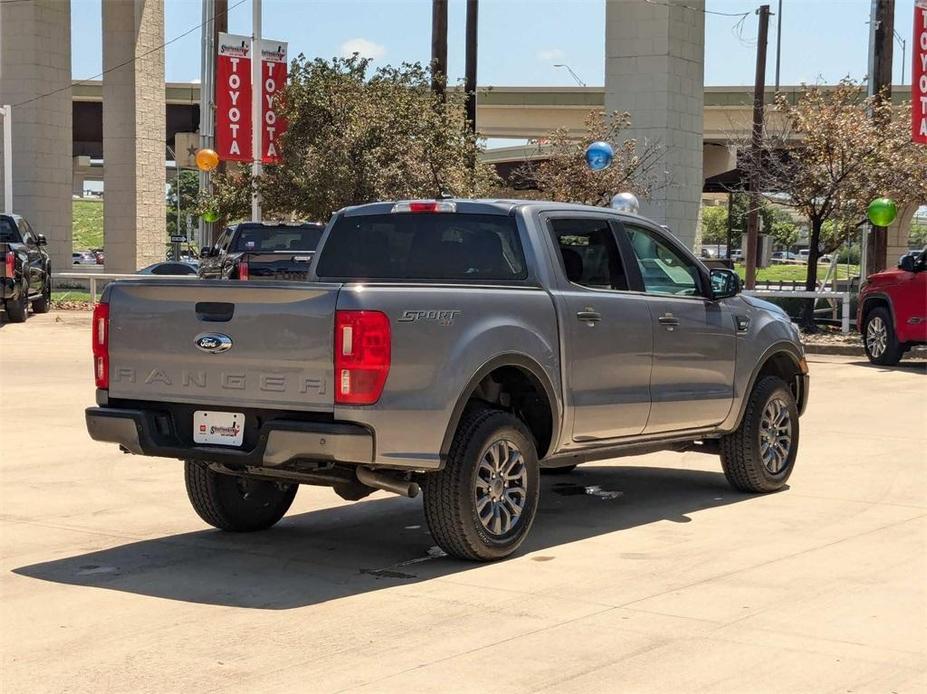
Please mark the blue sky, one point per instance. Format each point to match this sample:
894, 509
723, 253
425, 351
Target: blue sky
520, 40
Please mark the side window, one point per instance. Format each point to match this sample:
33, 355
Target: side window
26, 232
589, 253
663, 269
222, 243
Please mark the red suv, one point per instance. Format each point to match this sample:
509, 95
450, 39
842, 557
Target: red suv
892, 312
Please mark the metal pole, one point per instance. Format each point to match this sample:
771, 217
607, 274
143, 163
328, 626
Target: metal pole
471, 59
438, 46
7, 112
759, 89
778, 42
256, 95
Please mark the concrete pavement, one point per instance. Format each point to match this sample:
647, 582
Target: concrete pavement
645, 574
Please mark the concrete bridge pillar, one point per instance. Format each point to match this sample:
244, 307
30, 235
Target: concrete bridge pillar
654, 69
133, 134
898, 233
35, 77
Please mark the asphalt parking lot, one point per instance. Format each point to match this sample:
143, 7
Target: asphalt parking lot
645, 574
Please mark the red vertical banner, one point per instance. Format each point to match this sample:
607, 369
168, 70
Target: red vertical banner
273, 81
919, 74
233, 98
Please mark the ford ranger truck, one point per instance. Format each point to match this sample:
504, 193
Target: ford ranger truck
457, 347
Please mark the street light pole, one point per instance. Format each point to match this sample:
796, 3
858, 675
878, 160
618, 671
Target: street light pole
7, 113
439, 47
256, 124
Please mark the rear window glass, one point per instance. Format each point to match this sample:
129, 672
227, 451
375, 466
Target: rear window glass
261, 239
434, 246
8, 232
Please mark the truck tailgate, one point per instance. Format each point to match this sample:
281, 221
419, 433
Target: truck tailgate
279, 265
280, 336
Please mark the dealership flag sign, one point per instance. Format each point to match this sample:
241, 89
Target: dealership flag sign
233, 98
919, 74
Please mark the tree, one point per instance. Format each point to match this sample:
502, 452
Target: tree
918, 238
827, 159
354, 136
565, 176
714, 225
189, 193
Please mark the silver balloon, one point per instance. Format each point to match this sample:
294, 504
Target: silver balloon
626, 202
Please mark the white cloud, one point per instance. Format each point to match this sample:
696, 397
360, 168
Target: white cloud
550, 55
367, 49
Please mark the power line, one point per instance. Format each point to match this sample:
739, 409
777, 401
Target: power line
131, 60
698, 9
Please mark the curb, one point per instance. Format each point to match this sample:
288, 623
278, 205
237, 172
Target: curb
845, 350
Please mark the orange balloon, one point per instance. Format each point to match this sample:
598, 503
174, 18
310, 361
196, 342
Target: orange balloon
206, 160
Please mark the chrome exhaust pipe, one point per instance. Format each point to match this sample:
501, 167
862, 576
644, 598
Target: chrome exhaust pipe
389, 484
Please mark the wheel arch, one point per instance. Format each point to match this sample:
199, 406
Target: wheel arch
785, 361
872, 301
545, 432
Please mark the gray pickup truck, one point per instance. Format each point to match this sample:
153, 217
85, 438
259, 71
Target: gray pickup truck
456, 346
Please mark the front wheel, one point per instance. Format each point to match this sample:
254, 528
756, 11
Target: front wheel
760, 455
234, 503
882, 346
481, 506
43, 303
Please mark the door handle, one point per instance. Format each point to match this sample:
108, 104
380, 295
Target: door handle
668, 320
589, 316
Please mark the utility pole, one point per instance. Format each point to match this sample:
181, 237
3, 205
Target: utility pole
759, 94
471, 60
881, 44
438, 46
778, 42
256, 120
207, 105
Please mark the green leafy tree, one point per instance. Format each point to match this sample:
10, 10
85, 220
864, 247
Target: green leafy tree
188, 190
357, 136
918, 237
714, 225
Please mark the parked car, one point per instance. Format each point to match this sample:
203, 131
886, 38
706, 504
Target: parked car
99, 255
783, 256
262, 251
168, 268
84, 258
892, 310
25, 276
737, 255
458, 346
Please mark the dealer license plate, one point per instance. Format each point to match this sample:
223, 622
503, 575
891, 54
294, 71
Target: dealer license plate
223, 428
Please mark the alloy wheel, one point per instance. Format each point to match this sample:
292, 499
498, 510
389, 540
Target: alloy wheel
501, 488
775, 435
876, 337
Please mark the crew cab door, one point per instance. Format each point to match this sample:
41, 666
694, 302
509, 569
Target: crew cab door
606, 339
694, 339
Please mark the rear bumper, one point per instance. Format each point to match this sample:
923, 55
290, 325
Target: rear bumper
279, 441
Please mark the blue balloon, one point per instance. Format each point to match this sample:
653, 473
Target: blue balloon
599, 155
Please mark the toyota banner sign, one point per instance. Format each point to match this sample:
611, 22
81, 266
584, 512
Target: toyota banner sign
919, 74
233, 97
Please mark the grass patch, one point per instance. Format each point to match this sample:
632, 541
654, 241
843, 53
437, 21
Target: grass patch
72, 295
87, 227
795, 273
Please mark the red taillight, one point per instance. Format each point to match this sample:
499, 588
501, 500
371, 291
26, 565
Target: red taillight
362, 356
100, 340
10, 262
425, 206
244, 271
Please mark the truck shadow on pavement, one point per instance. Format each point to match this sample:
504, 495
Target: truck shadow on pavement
324, 555
913, 366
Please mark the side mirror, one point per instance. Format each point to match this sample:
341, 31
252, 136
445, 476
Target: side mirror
724, 283
205, 251
41, 240
908, 263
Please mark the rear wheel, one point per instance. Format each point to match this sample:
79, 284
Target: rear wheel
234, 503
18, 309
482, 504
882, 346
760, 455
43, 303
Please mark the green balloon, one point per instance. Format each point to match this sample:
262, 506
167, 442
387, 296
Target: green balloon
210, 216
882, 211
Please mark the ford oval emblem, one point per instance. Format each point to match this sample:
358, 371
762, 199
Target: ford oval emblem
213, 342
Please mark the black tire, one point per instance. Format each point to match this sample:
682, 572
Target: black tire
879, 339
17, 310
742, 452
233, 503
43, 303
565, 470
451, 506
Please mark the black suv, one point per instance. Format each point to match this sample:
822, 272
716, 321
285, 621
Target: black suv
25, 274
262, 251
